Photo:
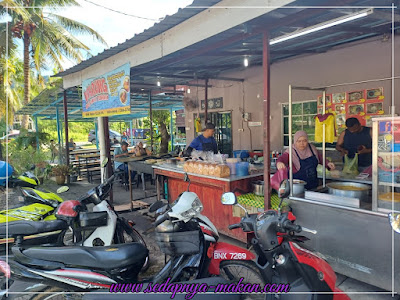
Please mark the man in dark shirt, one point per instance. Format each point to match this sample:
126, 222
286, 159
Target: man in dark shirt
205, 141
356, 139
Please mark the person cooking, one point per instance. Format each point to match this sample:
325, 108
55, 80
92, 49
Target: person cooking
205, 141
305, 160
356, 139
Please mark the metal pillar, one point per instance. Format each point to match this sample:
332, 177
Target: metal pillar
266, 107
323, 141
290, 141
58, 127
172, 132
37, 134
66, 131
206, 102
102, 145
151, 123
96, 128
130, 131
108, 154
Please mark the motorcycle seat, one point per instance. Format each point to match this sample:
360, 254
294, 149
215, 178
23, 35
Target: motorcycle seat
24, 228
104, 257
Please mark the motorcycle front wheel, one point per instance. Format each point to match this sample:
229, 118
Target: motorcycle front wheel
233, 270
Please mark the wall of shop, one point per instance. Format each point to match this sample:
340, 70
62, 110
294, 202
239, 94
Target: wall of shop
366, 60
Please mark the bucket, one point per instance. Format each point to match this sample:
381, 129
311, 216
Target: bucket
241, 153
232, 167
242, 168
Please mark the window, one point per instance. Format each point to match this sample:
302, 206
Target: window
303, 114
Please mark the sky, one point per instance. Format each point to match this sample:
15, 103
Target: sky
115, 27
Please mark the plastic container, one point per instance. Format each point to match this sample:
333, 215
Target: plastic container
259, 153
242, 168
241, 153
232, 168
395, 147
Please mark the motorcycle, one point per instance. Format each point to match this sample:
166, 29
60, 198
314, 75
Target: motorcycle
187, 237
39, 204
281, 259
99, 227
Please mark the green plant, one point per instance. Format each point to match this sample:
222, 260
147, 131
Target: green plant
26, 139
60, 170
22, 160
73, 170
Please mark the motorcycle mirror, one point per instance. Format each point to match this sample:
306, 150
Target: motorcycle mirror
156, 205
228, 199
104, 162
284, 189
394, 220
62, 189
186, 178
32, 167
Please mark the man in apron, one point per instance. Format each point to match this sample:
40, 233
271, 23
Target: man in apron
204, 142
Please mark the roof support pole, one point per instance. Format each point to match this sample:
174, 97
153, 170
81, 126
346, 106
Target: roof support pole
37, 134
151, 123
107, 153
58, 127
206, 103
130, 132
266, 108
66, 131
96, 129
102, 145
172, 131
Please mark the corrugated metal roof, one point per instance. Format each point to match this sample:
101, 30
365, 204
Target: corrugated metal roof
167, 23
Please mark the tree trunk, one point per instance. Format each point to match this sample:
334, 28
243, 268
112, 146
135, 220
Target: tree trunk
27, 87
164, 138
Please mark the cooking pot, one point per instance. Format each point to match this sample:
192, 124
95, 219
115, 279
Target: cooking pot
344, 189
258, 188
298, 187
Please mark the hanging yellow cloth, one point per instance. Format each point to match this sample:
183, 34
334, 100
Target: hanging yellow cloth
197, 125
329, 120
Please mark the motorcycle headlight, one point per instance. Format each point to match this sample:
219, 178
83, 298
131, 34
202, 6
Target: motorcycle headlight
197, 207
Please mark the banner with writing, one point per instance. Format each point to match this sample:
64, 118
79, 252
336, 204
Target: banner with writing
107, 95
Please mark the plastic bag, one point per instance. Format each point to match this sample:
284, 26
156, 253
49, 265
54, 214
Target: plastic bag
350, 165
278, 177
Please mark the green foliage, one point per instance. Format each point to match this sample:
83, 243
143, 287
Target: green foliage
22, 160
29, 139
161, 123
78, 131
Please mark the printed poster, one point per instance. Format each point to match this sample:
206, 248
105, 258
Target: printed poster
107, 95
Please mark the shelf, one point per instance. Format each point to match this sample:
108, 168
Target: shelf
395, 184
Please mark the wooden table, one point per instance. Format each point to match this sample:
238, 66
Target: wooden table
88, 157
209, 189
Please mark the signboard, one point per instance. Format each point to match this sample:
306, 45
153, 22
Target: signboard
107, 95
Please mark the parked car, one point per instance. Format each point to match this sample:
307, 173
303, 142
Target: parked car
113, 134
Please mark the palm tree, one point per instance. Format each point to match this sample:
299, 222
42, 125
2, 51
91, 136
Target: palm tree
47, 37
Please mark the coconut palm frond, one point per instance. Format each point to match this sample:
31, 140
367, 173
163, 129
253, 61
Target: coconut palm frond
75, 27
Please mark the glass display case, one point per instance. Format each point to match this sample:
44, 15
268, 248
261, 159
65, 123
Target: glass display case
386, 164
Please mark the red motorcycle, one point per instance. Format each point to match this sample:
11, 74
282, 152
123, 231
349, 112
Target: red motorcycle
281, 259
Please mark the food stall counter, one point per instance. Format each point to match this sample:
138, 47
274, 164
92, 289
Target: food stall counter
209, 190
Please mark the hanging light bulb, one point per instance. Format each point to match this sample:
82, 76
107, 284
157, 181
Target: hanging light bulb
246, 62
188, 91
158, 83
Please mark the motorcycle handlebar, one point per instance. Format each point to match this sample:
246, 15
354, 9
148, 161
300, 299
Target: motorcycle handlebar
160, 220
234, 226
291, 227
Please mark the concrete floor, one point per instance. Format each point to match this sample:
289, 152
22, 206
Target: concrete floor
356, 290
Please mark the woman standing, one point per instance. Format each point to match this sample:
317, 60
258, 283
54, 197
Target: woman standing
305, 158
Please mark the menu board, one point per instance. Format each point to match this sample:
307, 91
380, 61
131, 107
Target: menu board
360, 104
